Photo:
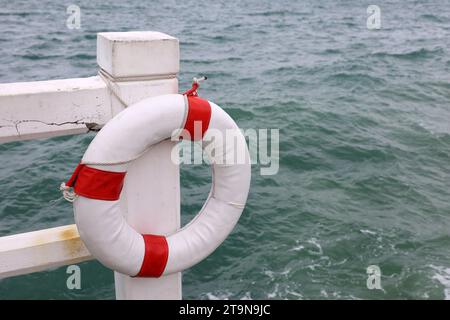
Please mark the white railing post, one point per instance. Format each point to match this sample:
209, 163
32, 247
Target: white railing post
137, 62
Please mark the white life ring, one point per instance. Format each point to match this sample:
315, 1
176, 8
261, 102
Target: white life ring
98, 179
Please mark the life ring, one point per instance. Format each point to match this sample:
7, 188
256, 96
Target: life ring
98, 180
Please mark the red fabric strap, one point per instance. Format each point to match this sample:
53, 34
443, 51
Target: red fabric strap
156, 255
192, 91
199, 115
96, 184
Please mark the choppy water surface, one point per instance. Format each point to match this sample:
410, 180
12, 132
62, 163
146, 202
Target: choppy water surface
365, 141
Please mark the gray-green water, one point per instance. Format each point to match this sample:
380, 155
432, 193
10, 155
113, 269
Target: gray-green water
364, 153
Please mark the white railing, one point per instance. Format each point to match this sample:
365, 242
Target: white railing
135, 65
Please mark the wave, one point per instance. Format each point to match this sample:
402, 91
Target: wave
330, 52
282, 69
188, 44
37, 56
356, 153
277, 13
358, 78
241, 114
17, 14
83, 56
90, 36
412, 55
212, 61
220, 38
432, 18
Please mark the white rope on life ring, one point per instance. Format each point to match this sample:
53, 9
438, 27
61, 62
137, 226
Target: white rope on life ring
97, 184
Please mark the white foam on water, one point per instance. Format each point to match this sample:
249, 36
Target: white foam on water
315, 242
247, 296
273, 274
296, 294
367, 231
274, 293
270, 274
285, 272
297, 248
284, 293
442, 275
226, 296
218, 296
340, 262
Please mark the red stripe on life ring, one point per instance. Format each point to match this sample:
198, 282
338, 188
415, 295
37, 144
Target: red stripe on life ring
156, 255
96, 184
198, 117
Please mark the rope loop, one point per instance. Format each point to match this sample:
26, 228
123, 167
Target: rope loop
67, 192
